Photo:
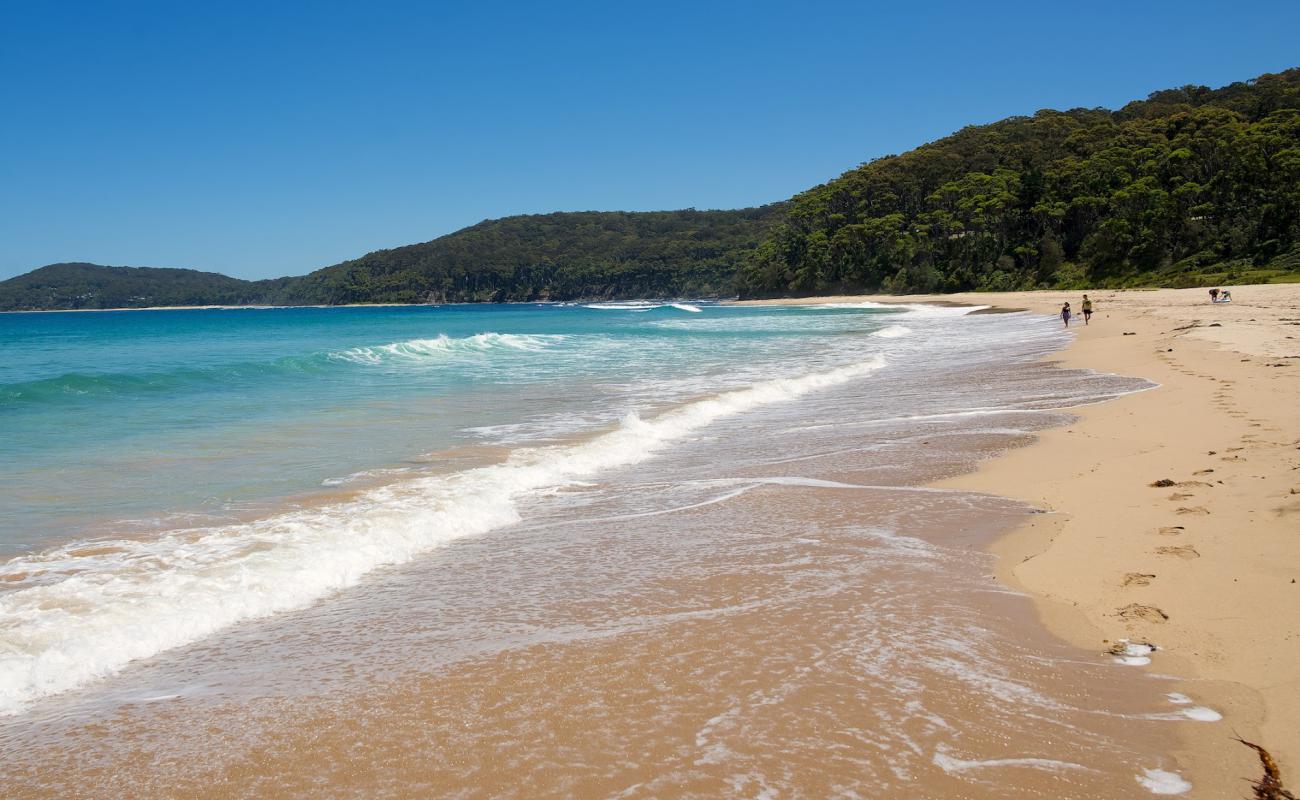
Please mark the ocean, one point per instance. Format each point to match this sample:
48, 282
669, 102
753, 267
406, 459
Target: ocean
610, 549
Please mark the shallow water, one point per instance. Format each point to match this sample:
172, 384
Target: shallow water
637, 550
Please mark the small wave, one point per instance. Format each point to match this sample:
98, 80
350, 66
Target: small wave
642, 307
892, 332
365, 474
424, 350
83, 611
80, 386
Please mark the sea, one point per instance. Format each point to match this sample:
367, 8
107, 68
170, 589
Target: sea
634, 549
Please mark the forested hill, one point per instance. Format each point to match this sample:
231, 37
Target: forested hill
595, 254
552, 256
1190, 186
67, 286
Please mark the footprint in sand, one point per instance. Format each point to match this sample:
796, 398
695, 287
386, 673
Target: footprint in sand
1172, 530
1198, 510
1180, 496
1136, 612
1184, 551
1137, 579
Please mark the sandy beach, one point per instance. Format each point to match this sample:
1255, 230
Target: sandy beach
785, 598
1204, 565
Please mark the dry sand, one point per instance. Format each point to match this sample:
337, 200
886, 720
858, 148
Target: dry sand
1206, 568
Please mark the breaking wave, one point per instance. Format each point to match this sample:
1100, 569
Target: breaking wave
424, 350
82, 611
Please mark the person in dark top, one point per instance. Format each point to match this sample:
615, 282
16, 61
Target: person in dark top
1065, 314
1214, 295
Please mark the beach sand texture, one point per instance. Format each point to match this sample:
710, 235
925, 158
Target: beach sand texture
1207, 568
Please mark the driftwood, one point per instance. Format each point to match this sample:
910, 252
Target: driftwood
1270, 786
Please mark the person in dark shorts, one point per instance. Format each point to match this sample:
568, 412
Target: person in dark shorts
1065, 314
1214, 295
1087, 309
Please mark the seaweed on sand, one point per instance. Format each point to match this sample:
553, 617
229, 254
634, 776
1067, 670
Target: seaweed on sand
1270, 786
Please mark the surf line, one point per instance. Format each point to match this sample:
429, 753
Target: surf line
145, 597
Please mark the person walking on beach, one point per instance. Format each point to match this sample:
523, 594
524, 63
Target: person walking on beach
1065, 314
1087, 309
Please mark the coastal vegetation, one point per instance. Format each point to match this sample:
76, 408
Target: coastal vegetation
77, 285
561, 256
564, 256
1192, 186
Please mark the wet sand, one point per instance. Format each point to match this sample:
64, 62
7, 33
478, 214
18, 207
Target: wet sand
1207, 568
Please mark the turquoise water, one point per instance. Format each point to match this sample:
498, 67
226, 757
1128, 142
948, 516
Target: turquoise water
126, 421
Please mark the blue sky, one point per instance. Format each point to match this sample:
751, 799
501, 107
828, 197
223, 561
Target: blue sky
265, 139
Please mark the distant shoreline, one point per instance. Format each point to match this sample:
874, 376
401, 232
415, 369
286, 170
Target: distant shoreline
781, 301
222, 308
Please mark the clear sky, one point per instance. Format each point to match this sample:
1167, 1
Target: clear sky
272, 138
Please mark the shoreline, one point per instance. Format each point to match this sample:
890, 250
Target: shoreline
1206, 568
788, 602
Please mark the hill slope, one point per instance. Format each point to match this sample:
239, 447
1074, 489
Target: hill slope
559, 256
76, 285
1189, 185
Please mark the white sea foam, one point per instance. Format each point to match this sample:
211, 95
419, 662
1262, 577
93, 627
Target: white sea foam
1179, 699
1199, 713
955, 765
918, 310
83, 611
1133, 661
423, 350
1135, 654
935, 312
643, 306
365, 474
892, 332
1159, 781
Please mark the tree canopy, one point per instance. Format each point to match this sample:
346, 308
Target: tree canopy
561, 256
1190, 185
